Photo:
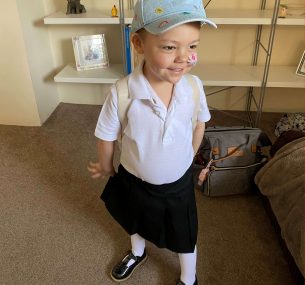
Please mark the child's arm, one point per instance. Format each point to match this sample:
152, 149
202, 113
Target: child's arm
198, 135
104, 166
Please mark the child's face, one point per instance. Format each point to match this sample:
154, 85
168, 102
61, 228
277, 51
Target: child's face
167, 55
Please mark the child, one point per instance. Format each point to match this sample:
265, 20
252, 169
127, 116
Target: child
152, 195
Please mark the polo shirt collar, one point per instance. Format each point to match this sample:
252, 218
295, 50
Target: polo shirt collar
139, 87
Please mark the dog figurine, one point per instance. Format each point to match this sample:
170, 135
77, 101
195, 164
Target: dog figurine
75, 7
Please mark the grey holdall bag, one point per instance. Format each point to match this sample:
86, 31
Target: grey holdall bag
232, 155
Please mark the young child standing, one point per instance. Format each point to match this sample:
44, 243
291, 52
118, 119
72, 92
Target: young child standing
152, 194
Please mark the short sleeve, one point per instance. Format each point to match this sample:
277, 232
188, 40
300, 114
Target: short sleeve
108, 125
204, 113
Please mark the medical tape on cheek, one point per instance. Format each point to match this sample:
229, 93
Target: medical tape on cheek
192, 59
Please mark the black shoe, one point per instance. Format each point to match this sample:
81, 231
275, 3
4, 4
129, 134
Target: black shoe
122, 272
179, 282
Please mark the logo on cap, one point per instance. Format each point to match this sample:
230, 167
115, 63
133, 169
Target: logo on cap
163, 23
159, 10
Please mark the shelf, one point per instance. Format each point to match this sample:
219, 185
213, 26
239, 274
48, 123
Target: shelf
108, 75
246, 76
241, 17
291, 21
211, 75
220, 17
90, 17
249, 17
284, 76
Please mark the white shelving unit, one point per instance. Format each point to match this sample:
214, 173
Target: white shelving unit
241, 17
109, 75
88, 18
245, 76
69, 74
211, 75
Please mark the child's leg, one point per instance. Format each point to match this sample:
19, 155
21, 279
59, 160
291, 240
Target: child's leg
137, 244
188, 267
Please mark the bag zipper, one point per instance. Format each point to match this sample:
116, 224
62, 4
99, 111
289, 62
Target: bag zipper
215, 168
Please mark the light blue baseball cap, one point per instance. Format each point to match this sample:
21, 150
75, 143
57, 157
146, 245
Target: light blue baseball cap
159, 16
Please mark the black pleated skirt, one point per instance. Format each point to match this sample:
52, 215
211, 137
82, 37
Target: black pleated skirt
165, 215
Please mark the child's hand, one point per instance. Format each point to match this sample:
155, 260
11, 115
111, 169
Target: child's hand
96, 170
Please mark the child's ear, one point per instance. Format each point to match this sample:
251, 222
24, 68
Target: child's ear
137, 43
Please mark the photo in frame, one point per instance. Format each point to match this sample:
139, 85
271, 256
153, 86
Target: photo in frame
301, 67
90, 52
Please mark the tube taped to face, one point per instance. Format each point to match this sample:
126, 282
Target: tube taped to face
192, 59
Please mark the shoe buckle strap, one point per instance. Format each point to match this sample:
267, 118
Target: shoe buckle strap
128, 257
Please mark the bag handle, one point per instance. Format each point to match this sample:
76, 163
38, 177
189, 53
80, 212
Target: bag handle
229, 154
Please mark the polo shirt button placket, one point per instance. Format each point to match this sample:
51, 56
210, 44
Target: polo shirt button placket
158, 113
167, 137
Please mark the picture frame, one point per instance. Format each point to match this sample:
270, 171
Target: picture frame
301, 67
90, 52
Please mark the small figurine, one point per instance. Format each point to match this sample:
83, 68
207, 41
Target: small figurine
114, 11
75, 7
283, 11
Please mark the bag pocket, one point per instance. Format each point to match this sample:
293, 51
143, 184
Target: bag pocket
224, 181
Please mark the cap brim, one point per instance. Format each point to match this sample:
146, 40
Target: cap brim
165, 24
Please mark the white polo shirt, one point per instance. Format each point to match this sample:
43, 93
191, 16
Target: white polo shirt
157, 142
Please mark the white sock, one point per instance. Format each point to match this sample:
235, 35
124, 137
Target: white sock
137, 246
188, 267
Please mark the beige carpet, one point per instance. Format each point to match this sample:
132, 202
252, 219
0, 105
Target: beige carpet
55, 230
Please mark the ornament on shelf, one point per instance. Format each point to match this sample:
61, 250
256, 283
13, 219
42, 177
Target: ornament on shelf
75, 7
283, 11
114, 11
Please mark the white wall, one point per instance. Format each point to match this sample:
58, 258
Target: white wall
28, 94
17, 100
39, 56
